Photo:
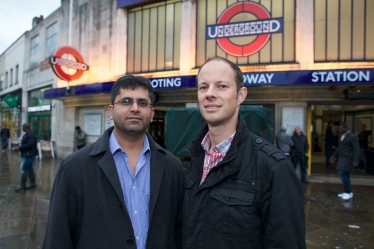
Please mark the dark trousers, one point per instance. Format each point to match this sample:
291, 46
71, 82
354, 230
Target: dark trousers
4, 143
329, 152
26, 165
345, 176
363, 158
302, 161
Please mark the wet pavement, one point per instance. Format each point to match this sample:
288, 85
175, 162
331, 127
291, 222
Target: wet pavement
330, 221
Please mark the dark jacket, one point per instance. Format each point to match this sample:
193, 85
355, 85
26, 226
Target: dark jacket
88, 210
329, 137
300, 144
28, 146
284, 142
347, 152
251, 199
4, 133
363, 138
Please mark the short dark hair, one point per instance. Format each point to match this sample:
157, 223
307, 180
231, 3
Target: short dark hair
132, 82
77, 127
344, 125
238, 73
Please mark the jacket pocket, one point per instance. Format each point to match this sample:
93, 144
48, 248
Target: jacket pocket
231, 211
187, 203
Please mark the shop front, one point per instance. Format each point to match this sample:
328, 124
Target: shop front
10, 115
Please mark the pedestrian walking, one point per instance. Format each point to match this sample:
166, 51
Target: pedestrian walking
299, 150
241, 191
347, 155
80, 137
29, 151
284, 141
124, 190
5, 135
363, 138
329, 143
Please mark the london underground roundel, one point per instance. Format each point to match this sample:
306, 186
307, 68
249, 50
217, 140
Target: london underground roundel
58, 62
263, 27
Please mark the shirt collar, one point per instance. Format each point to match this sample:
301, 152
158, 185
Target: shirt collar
223, 147
345, 133
114, 146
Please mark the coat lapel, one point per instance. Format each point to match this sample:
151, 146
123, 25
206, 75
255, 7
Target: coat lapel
108, 166
157, 171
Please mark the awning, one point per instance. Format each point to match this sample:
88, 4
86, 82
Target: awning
9, 101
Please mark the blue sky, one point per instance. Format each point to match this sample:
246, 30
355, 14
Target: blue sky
16, 17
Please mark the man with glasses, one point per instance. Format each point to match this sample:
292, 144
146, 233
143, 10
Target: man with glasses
124, 190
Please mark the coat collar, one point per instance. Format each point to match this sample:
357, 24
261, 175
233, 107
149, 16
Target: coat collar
230, 167
107, 164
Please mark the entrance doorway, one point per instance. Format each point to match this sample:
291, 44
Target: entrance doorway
41, 125
353, 116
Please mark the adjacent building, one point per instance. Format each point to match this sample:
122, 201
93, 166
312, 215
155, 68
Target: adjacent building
11, 83
40, 44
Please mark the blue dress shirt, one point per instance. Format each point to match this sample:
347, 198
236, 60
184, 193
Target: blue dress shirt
135, 188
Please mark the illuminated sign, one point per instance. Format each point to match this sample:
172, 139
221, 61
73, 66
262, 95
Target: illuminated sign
58, 62
251, 79
39, 108
128, 3
263, 27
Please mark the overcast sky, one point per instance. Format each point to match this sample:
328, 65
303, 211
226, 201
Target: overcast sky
16, 17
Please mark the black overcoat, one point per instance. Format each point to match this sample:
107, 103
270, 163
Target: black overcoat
347, 152
87, 208
251, 199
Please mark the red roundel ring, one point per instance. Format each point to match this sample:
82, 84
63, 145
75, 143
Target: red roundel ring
243, 50
57, 68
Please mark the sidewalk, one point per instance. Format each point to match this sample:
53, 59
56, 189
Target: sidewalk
330, 222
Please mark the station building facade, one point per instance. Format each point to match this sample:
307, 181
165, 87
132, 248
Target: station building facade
25, 73
308, 61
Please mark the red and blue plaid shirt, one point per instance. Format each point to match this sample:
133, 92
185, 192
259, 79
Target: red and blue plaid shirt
219, 152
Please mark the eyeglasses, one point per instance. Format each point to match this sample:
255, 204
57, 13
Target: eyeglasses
142, 103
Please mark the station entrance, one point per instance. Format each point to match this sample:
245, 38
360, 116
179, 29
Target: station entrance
354, 116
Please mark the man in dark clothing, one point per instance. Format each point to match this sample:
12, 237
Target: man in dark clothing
348, 155
122, 191
284, 141
299, 149
363, 138
241, 192
5, 135
329, 143
79, 137
28, 150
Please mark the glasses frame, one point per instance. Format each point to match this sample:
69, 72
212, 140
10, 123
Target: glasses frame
132, 102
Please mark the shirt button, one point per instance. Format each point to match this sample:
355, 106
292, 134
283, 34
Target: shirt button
133, 187
136, 212
137, 237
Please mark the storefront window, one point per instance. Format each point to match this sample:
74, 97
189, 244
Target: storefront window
154, 37
36, 97
342, 30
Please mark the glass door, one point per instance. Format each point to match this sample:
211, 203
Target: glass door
41, 125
